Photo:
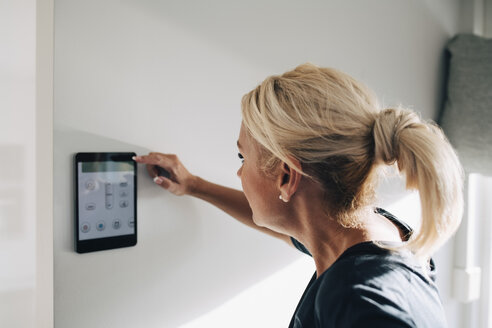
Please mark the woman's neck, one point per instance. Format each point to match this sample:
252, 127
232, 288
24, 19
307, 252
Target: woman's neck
326, 239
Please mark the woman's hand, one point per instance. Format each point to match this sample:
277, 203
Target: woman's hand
175, 178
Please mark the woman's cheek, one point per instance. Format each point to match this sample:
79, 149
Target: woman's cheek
244, 184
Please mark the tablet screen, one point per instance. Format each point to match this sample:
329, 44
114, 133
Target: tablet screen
105, 197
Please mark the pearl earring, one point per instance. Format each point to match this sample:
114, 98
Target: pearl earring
281, 198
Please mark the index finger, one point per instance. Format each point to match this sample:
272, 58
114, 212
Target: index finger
162, 160
147, 159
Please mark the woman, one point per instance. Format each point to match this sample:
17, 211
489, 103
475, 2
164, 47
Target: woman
313, 142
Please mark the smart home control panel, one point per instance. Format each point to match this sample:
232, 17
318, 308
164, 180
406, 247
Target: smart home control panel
105, 197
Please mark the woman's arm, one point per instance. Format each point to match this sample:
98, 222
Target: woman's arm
181, 182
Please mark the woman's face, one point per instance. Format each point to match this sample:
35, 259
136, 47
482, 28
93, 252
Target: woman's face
260, 190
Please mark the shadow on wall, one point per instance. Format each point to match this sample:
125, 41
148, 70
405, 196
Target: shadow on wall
300, 28
277, 35
187, 260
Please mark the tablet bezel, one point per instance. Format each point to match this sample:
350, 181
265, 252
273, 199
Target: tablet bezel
99, 244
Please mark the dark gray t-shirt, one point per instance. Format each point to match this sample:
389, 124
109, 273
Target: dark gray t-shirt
369, 286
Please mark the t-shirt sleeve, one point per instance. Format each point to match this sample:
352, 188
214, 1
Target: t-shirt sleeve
300, 246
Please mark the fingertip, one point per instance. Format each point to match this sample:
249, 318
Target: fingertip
158, 180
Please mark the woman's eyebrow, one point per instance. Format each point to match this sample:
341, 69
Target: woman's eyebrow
238, 144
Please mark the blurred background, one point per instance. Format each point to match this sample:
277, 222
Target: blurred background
168, 76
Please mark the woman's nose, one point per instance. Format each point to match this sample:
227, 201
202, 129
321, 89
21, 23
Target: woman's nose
239, 171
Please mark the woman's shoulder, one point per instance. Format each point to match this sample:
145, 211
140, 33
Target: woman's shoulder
373, 282
368, 264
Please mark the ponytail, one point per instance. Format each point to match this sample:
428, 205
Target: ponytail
431, 166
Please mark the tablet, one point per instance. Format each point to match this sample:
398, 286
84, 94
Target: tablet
105, 201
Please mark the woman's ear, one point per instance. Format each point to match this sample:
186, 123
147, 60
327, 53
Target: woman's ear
289, 178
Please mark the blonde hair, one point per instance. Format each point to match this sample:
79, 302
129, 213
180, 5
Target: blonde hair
335, 127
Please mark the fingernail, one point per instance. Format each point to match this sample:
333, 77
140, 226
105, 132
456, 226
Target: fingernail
158, 180
134, 158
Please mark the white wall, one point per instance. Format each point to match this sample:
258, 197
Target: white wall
17, 201
26, 195
168, 76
